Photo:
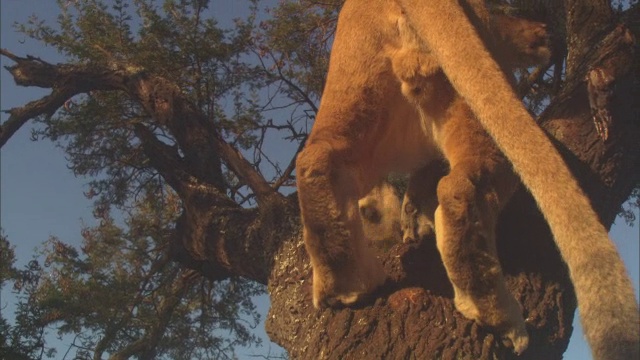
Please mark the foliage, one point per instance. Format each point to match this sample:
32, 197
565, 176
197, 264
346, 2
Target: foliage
178, 40
8, 348
237, 76
298, 38
7, 259
118, 293
629, 209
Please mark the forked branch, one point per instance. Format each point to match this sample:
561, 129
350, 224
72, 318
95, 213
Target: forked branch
201, 144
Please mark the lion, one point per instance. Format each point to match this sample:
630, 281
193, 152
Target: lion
380, 214
411, 82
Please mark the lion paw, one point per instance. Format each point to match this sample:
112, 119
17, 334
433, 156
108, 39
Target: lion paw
414, 223
518, 337
505, 317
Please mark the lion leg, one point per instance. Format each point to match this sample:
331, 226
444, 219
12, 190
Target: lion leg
465, 236
470, 198
420, 202
345, 268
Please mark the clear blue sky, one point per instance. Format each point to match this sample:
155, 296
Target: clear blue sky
40, 197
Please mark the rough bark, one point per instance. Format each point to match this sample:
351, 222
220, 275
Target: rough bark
413, 316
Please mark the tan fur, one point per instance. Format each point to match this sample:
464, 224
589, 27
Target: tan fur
420, 202
380, 213
408, 82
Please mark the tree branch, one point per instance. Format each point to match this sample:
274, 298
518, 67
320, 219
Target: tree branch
47, 105
292, 165
524, 86
585, 22
111, 332
145, 347
65, 81
245, 171
202, 145
163, 158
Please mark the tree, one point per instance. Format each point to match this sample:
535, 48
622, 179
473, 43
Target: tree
121, 295
159, 102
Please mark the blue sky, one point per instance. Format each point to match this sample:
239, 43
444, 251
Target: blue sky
40, 197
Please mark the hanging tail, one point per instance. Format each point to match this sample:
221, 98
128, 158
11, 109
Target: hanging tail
605, 294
